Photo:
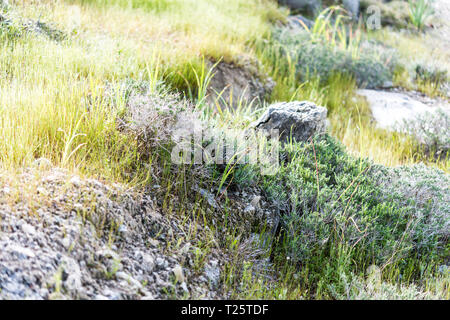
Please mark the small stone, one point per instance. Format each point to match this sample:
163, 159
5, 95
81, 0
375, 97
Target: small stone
178, 272
123, 229
6, 190
123, 276
210, 198
148, 296
185, 249
255, 201
66, 243
444, 269
184, 287
21, 251
75, 181
148, 262
28, 229
108, 254
249, 209
160, 262
212, 273
72, 275
41, 190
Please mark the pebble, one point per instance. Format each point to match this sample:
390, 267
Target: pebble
28, 229
178, 272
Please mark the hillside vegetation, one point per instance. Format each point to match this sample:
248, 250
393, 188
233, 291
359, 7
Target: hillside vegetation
91, 94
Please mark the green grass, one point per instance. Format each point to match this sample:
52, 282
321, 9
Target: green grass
63, 100
55, 106
419, 12
349, 114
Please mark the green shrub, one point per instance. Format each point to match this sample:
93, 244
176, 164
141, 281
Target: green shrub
373, 288
13, 27
322, 60
431, 132
431, 76
9, 29
343, 214
424, 193
420, 11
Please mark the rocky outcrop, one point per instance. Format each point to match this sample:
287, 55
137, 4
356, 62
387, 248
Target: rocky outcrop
82, 239
87, 240
310, 6
352, 6
299, 22
313, 6
300, 120
232, 83
391, 109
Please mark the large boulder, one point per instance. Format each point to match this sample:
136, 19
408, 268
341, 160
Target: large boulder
299, 119
352, 6
311, 6
426, 119
299, 22
390, 110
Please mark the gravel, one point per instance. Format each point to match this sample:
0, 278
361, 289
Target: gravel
65, 237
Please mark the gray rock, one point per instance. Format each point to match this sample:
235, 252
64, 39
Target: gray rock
148, 296
301, 119
311, 6
66, 243
239, 82
299, 22
28, 229
75, 181
391, 109
444, 269
147, 261
255, 201
249, 209
209, 197
129, 279
72, 276
184, 287
21, 252
178, 272
212, 273
352, 6
161, 263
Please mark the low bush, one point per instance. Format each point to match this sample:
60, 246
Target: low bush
12, 27
431, 131
9, 29
431, 79
320, 59
431, 74
420, 11
342, 214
